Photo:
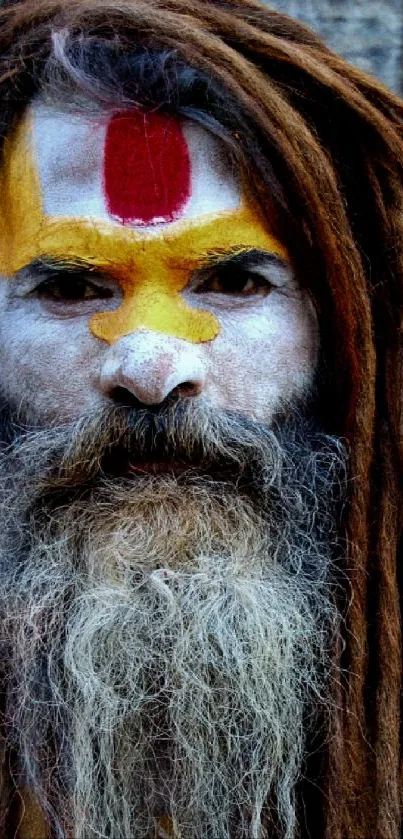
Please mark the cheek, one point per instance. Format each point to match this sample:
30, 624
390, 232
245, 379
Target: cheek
262, 361
48, 369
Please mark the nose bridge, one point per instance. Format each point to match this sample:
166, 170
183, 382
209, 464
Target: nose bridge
152, 274
151, 365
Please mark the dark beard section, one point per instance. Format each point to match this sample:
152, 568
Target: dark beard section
168, 638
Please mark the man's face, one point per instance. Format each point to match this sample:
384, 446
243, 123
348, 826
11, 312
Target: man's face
134, 265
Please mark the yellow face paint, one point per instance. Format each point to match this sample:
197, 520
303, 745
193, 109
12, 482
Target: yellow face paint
152, 267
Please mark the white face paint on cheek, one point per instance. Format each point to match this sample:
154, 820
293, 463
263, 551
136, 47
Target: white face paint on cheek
265, 359
48, 367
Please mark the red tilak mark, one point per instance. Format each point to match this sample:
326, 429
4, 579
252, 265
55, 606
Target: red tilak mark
147, 168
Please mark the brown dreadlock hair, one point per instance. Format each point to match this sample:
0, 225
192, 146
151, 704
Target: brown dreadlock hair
322, 145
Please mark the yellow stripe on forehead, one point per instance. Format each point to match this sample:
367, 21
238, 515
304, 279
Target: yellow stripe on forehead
153, 268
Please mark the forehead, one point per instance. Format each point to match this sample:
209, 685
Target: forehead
99, 187
129, 167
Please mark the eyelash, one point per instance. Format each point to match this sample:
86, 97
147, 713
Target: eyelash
232, 281
68, 284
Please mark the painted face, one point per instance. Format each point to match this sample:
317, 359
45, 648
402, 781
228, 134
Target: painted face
137, 196
131, 259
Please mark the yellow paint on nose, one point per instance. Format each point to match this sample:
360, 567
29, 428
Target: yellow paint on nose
153, 267
155, 306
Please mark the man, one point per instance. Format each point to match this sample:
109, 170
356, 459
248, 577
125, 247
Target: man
200, 338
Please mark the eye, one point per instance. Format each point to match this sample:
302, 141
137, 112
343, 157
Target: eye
71, 288
236, 281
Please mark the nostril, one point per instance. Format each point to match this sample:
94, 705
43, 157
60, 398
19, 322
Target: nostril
187, 389
122, 396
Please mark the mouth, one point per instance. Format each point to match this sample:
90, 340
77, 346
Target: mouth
122, 464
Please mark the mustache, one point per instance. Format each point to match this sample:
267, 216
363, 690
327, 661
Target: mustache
105, 443
42, 469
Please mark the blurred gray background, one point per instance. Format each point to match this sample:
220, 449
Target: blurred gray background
369, 33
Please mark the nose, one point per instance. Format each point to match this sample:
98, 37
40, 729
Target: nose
147, 367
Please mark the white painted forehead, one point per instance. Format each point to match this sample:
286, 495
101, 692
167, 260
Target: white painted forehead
131, 167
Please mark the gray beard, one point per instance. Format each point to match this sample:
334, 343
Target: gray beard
168, 638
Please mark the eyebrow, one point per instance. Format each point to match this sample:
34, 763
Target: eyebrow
45, 264
247, 258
